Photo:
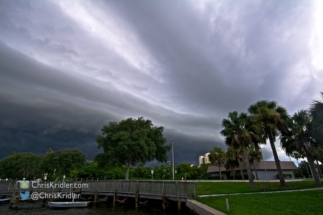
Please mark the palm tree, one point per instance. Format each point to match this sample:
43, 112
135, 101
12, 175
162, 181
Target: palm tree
299, 139
255, 156
272, 118
217, 158
237, 135
240, 157
292, 153
254, 151
319, 157
297, 156
316, 113
232, 161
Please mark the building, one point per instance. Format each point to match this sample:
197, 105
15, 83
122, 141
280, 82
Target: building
266, 170
204, 158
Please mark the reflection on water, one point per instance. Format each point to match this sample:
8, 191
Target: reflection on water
36, 208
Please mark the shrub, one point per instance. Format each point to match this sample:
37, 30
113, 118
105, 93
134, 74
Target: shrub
286, 176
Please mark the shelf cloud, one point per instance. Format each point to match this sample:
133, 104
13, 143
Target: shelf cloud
69, 67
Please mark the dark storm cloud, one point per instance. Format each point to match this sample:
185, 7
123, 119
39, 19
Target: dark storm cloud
225, 55
69, 67
32, 139
50, 105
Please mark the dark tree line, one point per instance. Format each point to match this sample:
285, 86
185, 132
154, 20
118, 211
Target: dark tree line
54, 164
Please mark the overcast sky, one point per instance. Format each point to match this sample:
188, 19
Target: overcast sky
69, 67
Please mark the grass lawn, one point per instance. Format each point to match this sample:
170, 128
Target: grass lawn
204, 188
305, 202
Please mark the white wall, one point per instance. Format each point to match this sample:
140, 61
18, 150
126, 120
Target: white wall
272, 175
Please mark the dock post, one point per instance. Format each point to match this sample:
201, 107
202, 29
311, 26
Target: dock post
81, 186
9, 185
115, 193
137, 194
163, 196
96, 191
114, 199
14, 198
177, 193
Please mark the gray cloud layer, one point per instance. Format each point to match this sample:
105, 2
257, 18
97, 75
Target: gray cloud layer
69, 67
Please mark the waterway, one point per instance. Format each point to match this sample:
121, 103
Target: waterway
37, 209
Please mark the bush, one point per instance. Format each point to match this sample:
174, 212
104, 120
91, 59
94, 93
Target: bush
215, 177
286, 176
239, 177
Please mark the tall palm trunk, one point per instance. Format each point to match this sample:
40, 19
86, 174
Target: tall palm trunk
128, 170
254, 166
241, 172
220, 171
280, 173
248, 167
319, 169
300, 169
313, 170
308, 172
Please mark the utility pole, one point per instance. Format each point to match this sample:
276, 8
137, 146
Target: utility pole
173, 159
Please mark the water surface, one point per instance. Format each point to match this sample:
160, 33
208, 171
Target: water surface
37, 209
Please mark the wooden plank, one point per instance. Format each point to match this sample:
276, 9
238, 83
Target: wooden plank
144, 189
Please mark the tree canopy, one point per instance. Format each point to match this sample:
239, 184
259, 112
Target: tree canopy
131, 141
20, 165
298, 140
316, 113
28, 165
238, 132
271, 118
63, 161
217, 158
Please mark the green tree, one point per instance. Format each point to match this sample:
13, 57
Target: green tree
49, 151
316, 113
21, 165
217, 158
131, 141
319, 157
299, 139
255, 157
304, 168
237, 135
190, 171
232, 161
158, 172
203, 174
63, 162
271, 118
240, 157
297, 156
91, 170
142, 172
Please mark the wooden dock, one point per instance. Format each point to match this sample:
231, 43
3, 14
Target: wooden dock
115, 190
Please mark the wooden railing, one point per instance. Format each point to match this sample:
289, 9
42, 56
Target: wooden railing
158, 188
169, 188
